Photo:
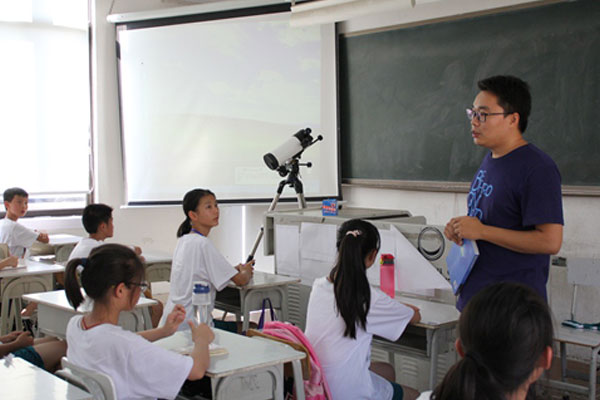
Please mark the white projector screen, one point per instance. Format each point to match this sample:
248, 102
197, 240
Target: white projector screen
202, 102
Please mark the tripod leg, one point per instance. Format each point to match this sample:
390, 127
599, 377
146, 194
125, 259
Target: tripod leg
261, 231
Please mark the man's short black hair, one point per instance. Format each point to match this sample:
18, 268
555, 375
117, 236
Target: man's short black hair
513, 95
10, 193
95, 214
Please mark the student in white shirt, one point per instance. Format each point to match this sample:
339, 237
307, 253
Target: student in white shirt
196, 258
16, 236
344, 312
113, 278
505, 341
97, 220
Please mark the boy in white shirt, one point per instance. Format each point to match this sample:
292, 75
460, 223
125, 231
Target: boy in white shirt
16, 236
98, 222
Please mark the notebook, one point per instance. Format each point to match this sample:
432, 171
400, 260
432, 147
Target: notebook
460, 262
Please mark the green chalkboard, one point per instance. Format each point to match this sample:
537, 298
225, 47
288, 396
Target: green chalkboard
403, 93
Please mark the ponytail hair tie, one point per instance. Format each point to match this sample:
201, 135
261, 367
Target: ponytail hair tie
475, 357
355, 233
83, 262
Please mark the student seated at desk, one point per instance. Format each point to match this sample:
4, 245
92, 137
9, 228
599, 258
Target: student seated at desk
98, 223
196, 258
16, 236
44, 352
113, 278
344, 312
505, 343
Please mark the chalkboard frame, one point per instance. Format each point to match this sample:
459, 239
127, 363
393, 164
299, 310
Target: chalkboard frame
451, 186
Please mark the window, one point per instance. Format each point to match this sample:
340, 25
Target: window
45, 102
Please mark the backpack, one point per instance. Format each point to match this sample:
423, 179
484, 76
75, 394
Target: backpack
315, 387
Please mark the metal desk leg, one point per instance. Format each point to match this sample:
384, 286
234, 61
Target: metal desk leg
434, 359
563, 361
593, 363
298, 380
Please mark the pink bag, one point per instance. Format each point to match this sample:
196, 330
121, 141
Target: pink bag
316, 387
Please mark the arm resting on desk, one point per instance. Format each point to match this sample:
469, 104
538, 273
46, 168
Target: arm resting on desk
416, 316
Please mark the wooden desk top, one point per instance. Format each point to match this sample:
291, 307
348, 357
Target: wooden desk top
157, 257
243, 353
32, 268
434, 315
580, 337
58, 299
61, 239
21, 380
265, 280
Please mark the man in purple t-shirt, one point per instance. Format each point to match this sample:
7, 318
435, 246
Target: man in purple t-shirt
515, 202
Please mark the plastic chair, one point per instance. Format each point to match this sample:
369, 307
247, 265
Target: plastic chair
3, 251
10, 313
97, 383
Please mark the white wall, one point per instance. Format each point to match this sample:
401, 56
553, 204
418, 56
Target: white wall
154, 227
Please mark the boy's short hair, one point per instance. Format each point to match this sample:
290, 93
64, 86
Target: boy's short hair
95, 214
10, 193
513, 95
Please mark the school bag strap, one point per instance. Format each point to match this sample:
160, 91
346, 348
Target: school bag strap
261, 321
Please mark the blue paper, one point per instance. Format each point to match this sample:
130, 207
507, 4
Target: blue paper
460, 262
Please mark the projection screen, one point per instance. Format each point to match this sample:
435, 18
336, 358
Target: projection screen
202, 101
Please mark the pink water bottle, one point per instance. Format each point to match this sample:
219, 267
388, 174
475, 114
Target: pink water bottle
387, 276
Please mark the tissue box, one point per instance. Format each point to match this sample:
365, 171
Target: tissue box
329, 207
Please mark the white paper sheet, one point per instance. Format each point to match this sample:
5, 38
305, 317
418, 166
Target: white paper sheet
317, 250
317, 242
413, 271
287, 239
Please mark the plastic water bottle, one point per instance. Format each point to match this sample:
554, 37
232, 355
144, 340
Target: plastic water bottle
387, 275
201, 301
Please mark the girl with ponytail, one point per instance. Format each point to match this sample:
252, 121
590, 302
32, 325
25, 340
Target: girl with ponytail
505, 341
344, 312
196, 258
113, 277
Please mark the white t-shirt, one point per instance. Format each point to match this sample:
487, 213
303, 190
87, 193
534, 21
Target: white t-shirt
138, 368
84, 247
16, 236
195, 259
346, 361
425, 395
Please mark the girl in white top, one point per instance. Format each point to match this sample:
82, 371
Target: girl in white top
344, 312
196, 258
505, 341
113, 278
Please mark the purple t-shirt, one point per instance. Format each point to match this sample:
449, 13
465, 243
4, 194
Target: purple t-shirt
516, 191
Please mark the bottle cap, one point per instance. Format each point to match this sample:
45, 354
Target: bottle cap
387, 259
201, 287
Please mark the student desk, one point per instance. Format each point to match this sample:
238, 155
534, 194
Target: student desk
54, 313
252, 368
579, 337
158, 266
21, 380
428, 338
63, 245
36, 276
251, 295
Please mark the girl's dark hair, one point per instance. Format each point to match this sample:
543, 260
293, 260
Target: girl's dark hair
504, 330
356, 239
107, 266
190, 203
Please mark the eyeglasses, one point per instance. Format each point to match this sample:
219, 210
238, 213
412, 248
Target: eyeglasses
481, 115
143, 285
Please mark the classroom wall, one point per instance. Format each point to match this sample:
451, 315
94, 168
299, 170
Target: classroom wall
154, 227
